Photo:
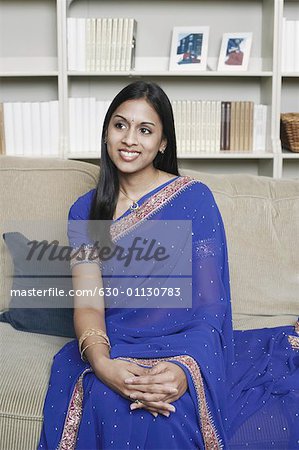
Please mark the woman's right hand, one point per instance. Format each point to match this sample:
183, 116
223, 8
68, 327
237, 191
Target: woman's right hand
114, 372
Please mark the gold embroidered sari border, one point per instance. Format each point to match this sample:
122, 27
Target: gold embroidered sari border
294, 340
73, 417
150, 206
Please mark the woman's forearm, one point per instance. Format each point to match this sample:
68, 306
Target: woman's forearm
89, 310
85, 318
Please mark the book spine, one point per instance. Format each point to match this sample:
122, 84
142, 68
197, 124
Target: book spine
184, 127
204, 125
290, 40
284, 46
114, 44
2, 131
218, 126
81, 45
27, 128
103, 45
92, 125
88, 44
98, 44
93, 44
246, 126
188, 126
9, 129
213, 127
130, 59
193, 127
198, 127
71, 43
108, 44
45, 128
296, 44
208, 126
223, 124
118, 53
124, 45
72, 125
242, 126
54, 127
250, 131
179, 125
36, 129
237, 127
85, 125
233, 127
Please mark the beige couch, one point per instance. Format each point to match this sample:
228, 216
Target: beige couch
261, 217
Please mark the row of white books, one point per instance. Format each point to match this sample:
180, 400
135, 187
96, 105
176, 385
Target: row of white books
86, 117
290, 45
30, 129
213, 126
101, 44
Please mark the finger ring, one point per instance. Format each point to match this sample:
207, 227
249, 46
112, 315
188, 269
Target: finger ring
137, 401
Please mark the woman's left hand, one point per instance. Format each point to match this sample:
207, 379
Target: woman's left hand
147, 389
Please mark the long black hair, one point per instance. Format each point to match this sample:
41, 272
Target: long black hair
106, 195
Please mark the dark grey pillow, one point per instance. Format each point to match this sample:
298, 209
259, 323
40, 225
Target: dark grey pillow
48, 314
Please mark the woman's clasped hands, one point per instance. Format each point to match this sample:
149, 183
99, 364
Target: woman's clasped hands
162, 385
155, 388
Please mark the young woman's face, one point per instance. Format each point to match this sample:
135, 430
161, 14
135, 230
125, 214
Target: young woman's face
134, 136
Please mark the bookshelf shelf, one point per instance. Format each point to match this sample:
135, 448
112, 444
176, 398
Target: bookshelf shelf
291, 75
290, 155
33, 66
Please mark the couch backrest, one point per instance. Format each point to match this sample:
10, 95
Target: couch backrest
261, 218
40, 190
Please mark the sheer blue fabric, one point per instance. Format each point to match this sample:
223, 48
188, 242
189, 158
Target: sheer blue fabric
243, 387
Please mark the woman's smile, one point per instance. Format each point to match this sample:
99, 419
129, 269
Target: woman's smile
128, 155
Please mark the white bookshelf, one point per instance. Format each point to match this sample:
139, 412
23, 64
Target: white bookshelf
33, 65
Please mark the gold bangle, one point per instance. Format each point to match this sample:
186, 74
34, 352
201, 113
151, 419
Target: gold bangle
89, 345
93, 332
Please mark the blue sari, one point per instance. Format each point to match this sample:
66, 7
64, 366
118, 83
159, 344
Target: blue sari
235, 379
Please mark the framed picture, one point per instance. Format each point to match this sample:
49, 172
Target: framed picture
189, 48
235, 51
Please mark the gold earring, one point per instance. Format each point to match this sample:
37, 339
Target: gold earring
162, 150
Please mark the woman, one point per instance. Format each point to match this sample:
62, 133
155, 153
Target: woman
156, 371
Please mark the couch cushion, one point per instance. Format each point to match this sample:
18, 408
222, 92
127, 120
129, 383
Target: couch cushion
25, 369
261, 218
41, 190
49, 313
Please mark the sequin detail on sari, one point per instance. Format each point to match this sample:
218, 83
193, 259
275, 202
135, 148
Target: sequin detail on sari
73, 417
210, 436
84, 254
150, 206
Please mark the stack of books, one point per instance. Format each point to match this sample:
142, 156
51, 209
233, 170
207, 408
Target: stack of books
29, 129
214, 126
290, 45
86, 117
101, 44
